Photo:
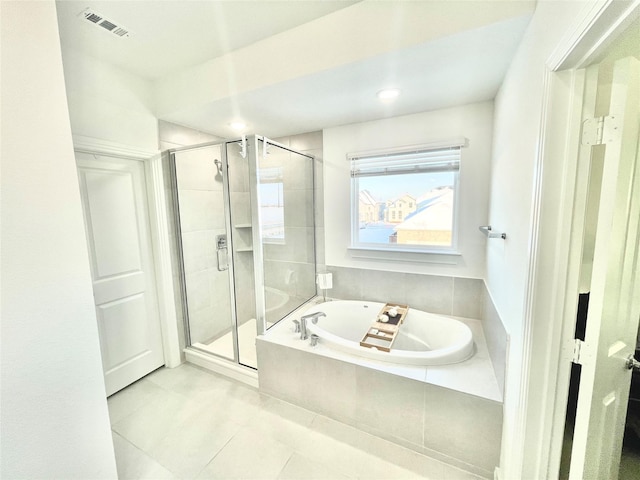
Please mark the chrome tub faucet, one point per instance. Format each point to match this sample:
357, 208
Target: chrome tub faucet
304, 334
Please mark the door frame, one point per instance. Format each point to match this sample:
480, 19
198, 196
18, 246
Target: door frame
159, 231
534, 447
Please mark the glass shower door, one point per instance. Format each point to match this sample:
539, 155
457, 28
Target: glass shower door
284, 192
246, 237
204, 243
243, 254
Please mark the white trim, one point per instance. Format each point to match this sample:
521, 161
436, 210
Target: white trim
517, 454
161, 252
245, 375
105, 147
461, 142
448, 257
593, 33
542, 397
162, 258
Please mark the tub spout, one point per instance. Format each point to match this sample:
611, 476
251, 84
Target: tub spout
304, 334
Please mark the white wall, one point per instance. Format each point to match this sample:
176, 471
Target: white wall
109, 104
54, 416
471, 121
517, 140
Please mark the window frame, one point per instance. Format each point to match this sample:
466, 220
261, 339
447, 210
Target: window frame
271, 180
355, 245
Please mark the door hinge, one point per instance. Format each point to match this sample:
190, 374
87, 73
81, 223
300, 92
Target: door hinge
601, 130
577, 350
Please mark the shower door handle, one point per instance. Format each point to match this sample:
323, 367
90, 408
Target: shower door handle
222, 252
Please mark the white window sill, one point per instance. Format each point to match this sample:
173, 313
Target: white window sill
448, 257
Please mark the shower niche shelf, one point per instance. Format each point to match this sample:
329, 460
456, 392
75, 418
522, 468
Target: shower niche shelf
243, 225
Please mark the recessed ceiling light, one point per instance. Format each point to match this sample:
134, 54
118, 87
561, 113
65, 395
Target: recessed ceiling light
238, 125
388, 93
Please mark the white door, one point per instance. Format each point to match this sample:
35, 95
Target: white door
114, 202
614, 305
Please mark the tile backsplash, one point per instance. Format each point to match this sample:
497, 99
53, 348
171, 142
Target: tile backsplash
461, 297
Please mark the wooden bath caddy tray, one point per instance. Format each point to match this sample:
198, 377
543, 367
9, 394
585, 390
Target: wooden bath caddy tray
381, 335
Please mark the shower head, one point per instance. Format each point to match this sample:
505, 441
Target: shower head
218, 165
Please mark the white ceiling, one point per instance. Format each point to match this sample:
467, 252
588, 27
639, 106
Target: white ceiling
463, 66
168, 35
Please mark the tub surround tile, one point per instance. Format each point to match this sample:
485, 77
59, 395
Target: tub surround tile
496, 336
429, 293
385, 287
280, 371
447, 427
474, 376
381, 397
468, 297
332, 376
460, 297
347, 282
382, 388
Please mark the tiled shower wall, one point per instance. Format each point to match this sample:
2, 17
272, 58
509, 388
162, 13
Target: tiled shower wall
202, 219
459, 297
290, 268
176, 136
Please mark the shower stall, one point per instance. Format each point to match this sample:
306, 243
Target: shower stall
245, 235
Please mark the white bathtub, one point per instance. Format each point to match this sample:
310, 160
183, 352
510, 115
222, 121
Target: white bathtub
424, 338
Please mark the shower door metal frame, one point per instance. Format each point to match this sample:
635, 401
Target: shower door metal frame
178, 233
258, 252
252, 149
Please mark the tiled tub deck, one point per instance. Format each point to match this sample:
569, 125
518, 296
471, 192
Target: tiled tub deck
450, 412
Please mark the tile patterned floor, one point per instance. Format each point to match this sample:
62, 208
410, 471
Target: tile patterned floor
186, 423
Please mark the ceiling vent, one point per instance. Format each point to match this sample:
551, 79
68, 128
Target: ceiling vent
101, 21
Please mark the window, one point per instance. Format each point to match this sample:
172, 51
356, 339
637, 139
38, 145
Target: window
415, 191
271, 194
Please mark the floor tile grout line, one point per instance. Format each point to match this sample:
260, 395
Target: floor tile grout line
312, 424
217, 453
293, 452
